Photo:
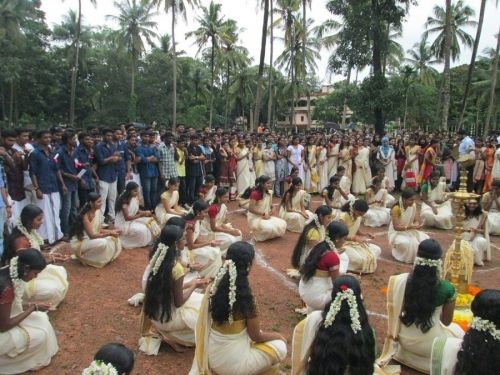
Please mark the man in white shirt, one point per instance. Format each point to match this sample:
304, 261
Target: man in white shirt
465, 146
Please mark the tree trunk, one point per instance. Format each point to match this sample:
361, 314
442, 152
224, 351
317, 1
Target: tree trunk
446, 72
271, 63
132, 85
260, 83
212, 62
472, 61
406, 108
491, 106
304, 70
292, 87
226, 111
386, 52
74, 72
174, 73
377, 64
344, 109
11, 103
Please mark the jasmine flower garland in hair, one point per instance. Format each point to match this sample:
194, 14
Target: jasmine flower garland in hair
230, 267
316, 221
484, 325
16, 281
35, 239
348, 295
100, 368
158, 257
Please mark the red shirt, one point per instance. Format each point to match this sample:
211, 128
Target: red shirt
329, 262
213, 210
256, 195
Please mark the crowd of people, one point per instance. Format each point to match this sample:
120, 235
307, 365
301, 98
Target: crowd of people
104, 190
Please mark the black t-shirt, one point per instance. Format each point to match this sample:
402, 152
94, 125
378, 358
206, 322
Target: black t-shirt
194, 167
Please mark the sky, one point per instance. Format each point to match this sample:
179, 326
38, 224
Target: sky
249, 17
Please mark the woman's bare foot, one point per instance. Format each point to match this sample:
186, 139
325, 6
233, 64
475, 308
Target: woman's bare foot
178, 347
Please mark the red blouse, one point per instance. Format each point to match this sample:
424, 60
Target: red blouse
329, 262
256, 195
7, 296
213, 210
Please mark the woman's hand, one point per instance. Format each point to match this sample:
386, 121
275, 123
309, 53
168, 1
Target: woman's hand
40, 306
214, 243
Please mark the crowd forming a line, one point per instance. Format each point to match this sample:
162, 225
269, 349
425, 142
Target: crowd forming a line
107, 189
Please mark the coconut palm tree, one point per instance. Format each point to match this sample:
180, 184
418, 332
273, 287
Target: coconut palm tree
233, 57
395, 53
448, 24
212, 29
176, 7
493, 86
473, 59
421, 58
460, 18
262, 59
76, 63
271, 64
287, 11
137, 27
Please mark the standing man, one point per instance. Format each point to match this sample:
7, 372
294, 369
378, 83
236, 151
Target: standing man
465, 146
107, 157
15, 163
124, 172
45, 175
194, 168
24, 146
148, 169
166, 152
84, 159
71, 179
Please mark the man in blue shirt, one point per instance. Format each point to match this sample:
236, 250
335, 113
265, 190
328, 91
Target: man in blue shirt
148, 169
45, 175
84, 159
124, 167
107, 157
71, 179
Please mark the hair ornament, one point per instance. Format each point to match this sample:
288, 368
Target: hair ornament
34, 238
158, 257
347, 295
230, 267
316, 221
100, 368
485, 325
16, 281
425, 262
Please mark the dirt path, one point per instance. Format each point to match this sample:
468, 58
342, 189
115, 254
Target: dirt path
96, 310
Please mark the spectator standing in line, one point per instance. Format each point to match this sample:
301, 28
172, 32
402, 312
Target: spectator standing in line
180, 164
166, 162
71, 179
45, 175
15, 163
4, 203
107, 157
148, 169
194, 168
23, 145
123, 166
84, 159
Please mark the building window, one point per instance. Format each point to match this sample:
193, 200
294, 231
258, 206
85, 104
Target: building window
301, 118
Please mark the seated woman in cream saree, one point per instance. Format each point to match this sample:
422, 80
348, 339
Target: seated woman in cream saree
436, 208
27, 340
337, 339
404, 234
362, 254
420, 308
475, 226
201, 250
169, 203
90, 243
378, 214
263, 226
322, 267
137, 228
313, 233
170, 309
478, 353
228, 336
491, 204
292, 207
216, 226
51, 285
